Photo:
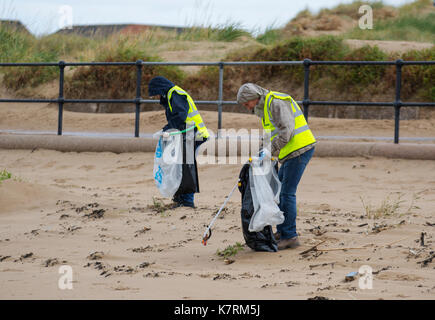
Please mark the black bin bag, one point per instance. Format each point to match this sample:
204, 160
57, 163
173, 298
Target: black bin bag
189, 181
258, 241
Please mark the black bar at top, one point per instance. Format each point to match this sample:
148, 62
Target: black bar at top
233, 63
60, 99
138, 97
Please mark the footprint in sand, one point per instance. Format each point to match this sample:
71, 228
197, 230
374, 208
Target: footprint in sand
49, 165
87, 168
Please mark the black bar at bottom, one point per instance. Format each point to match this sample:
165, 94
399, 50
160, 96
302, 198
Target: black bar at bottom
136, 120
60, 119
396, 123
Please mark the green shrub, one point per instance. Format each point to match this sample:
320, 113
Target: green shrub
19, 77
361, 76
117, 82
17, 46
418, 79
13, 45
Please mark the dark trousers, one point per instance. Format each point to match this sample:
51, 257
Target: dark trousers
189, 198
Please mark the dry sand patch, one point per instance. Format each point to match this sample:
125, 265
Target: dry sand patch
112, 227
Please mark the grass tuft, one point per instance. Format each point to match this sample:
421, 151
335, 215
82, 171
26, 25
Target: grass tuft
391, 206
230, 251
4, 175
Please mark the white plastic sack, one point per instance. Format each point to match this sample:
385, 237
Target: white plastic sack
265, 190
168, 162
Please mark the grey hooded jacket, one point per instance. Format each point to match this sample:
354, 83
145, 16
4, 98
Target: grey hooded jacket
281, 116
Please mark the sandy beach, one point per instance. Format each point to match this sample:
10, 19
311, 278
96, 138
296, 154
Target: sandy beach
101, 214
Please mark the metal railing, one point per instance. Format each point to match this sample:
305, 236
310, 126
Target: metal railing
306, 102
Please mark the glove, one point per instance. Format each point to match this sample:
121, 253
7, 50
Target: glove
165, 135
261, 155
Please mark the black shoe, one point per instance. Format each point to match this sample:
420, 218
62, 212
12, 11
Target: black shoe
189, 204
177, 204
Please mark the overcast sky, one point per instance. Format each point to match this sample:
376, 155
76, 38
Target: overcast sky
42, 17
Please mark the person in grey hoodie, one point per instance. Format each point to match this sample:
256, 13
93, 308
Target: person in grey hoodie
291, 141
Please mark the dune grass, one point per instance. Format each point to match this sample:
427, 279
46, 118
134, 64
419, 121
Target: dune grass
404, 28
272, 45
4, 175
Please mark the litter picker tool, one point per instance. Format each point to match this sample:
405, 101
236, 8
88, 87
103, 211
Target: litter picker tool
207, 233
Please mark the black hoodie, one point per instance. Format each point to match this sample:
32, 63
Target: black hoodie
180, 107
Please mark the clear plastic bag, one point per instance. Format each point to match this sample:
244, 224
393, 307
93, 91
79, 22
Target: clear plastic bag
168, 161
265, 189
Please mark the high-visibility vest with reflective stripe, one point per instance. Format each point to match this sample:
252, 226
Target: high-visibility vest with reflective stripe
193, 113
302, 135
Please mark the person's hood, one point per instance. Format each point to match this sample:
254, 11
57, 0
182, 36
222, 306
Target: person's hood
251, 91
159, 86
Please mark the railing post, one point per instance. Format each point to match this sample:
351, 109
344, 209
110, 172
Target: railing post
138, 96
221, 93
306, 101
61, 98
397, 102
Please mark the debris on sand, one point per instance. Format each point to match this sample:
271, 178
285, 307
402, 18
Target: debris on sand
96, 214
317, 231
51, 262
318, 298
2, 258
422, 238
97, 255
144, 265
351, 276
34, 232
428, 260
223, 276
142, 249
159, 206
383, 269
314, 248
24, 256
98, 265
141, 231
322, 265
138, 209
73, 228
27, 255
380, 228
123, 269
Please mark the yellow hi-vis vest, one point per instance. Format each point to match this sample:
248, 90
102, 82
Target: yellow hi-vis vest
193, 113
302, 135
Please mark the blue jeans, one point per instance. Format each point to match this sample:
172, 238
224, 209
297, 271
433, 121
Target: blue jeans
189, 198
290, 174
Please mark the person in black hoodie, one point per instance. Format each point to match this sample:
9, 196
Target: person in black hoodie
179, 109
